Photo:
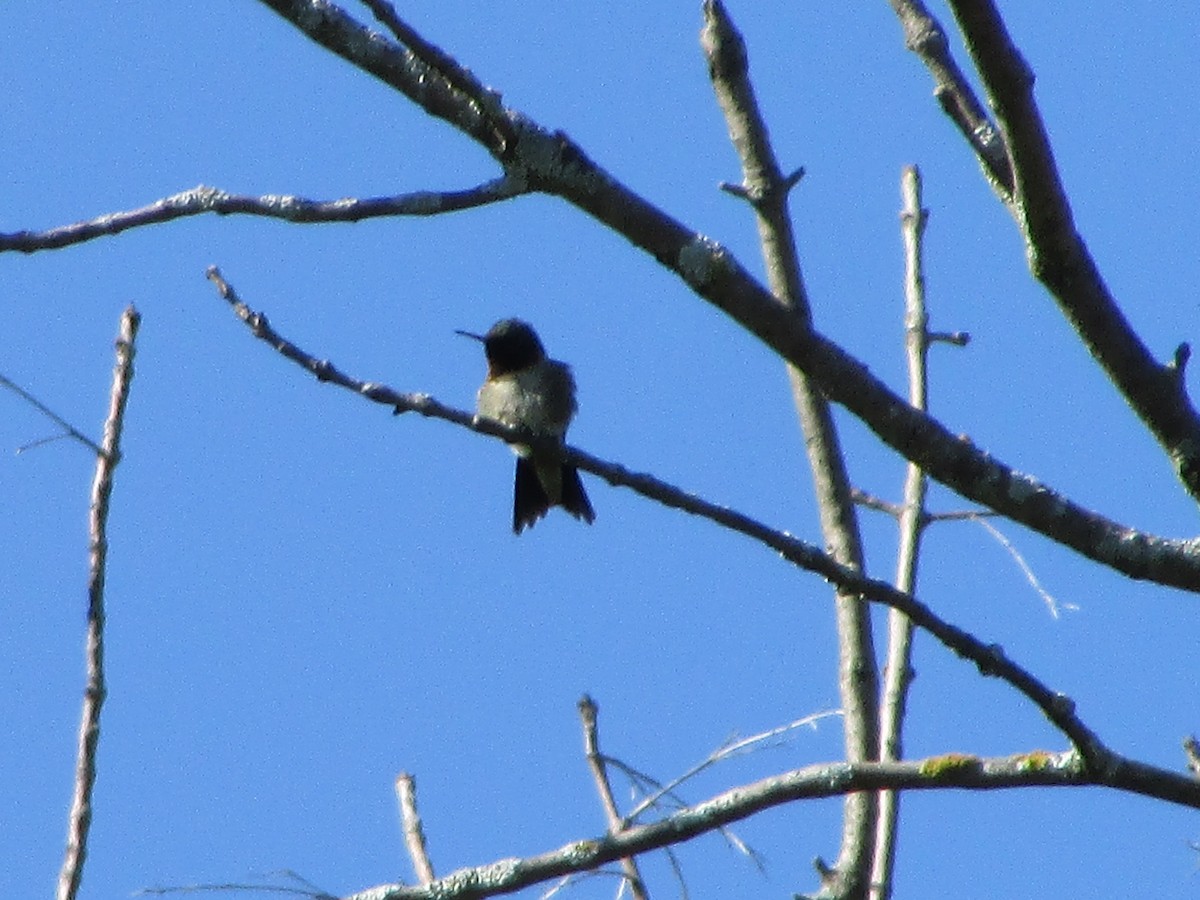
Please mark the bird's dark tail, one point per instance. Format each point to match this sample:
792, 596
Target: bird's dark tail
574, 497
530, 501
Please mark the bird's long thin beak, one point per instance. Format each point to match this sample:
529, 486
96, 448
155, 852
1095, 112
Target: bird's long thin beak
470, 334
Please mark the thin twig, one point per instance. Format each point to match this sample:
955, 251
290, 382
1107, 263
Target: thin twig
724, 752
1051, 603
895, 510
237, 887
979, 516
71, 874
575, 877
300, 210
588, 715
898, 672
870, 501
955, 338
410, 823
68, 429
656, 792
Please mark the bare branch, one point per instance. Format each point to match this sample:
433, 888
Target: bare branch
588, 715
878, 504
410, 824
1022, 170
990, 658
767, 188
925, 37
1057, 254
870, 501
307, 889
959, 771
202, 199
898, 673
80, 821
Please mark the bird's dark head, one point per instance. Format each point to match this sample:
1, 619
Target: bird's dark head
510, 345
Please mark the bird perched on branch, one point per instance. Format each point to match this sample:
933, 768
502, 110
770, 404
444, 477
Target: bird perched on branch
526, 389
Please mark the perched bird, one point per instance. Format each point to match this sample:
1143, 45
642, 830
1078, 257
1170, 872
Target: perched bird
525, 389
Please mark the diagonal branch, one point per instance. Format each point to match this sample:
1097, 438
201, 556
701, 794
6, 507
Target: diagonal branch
989, 658
924, 36
203, 199
952, 771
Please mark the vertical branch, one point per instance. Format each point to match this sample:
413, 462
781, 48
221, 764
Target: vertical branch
766, 188
410, 824
588, 712
79, 824
898, 670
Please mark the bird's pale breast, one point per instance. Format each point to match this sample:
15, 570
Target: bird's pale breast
540, 398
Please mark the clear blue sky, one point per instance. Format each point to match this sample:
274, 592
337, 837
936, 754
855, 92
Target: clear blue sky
307, 596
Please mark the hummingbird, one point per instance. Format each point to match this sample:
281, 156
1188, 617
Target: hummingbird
526, 389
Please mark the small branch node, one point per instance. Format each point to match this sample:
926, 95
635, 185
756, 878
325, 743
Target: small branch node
737, 190
955, 338
1178, 364
1192, 750
1064, 705
992, 662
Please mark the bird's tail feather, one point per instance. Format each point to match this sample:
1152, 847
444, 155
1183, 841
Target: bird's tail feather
530, 501
574, 497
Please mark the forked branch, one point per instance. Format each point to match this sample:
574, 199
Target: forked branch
1030, 186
